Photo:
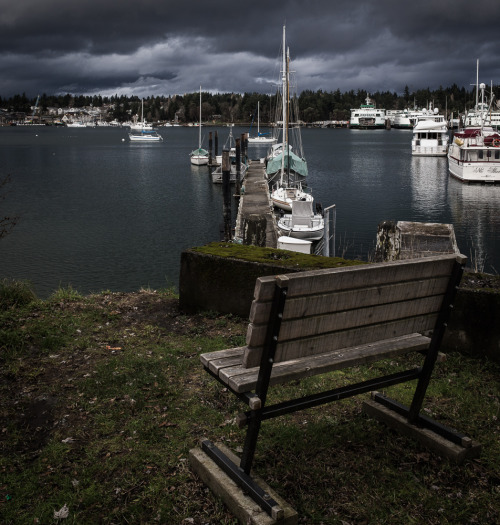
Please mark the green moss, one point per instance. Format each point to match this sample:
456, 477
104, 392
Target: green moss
284, 258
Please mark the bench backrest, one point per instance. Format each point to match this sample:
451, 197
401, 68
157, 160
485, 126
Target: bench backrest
332, 309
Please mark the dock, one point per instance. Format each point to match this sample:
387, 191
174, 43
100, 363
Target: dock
256, 223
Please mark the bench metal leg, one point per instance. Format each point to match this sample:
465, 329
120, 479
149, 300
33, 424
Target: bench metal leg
437, 337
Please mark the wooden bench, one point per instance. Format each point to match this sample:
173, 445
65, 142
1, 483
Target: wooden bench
314, 322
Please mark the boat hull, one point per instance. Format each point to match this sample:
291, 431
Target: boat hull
313, 231
145, 138
198, 160
481, 172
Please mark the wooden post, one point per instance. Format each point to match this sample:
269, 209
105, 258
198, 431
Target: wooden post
210, 148
238, 167
216, 144
226, 171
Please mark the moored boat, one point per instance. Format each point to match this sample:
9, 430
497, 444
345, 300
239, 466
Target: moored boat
474, 153
199, 157
430, 135
303, 222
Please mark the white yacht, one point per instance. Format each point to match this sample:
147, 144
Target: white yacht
367, 116
430, 135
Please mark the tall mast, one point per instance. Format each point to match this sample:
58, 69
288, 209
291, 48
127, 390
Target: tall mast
284, 90
477, 82
258, 118
199, 126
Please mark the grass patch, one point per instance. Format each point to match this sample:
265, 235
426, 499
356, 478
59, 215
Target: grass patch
284, 258
14, 293
102, 396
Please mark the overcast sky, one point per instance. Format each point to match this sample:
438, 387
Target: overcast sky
162, 47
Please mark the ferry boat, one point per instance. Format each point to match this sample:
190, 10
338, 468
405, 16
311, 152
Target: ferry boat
430, 135
367, 116
407, 118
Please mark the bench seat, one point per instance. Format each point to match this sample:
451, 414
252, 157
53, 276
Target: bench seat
228, 366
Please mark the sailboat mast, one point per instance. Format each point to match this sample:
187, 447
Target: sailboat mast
283, 79
199, 125
288, 115
258, 118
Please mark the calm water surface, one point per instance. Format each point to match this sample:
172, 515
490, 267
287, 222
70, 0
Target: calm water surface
100, 213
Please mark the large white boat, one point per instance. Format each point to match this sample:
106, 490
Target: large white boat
290, 166
367, 116
261, 138
474, 154
430, 135
199, 157
407, 118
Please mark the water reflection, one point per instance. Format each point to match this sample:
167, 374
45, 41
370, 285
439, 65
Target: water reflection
476, 216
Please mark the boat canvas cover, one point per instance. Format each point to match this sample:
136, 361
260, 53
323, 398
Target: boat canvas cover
200, 152
292, 160
302, 212
430, 125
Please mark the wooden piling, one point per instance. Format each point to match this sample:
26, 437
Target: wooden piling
238, 167
210, 148
226, 189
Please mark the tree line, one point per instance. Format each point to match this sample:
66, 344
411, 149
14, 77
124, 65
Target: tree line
238, 108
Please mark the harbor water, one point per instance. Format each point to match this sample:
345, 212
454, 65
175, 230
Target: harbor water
97, 212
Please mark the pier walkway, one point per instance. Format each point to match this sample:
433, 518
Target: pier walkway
255, 223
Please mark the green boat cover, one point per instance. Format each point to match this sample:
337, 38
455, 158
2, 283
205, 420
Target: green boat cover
297, 164
200, 151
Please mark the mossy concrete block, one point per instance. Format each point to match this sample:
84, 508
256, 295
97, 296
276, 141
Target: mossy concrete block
473, 328
225, 285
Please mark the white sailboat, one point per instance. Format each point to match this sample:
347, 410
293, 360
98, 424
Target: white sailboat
199, 157
261, 138
291, 167
144, 132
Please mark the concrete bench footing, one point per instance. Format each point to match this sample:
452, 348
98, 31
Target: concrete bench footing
434, 442
238, 503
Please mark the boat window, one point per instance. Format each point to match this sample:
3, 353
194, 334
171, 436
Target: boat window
497, 154
480, 154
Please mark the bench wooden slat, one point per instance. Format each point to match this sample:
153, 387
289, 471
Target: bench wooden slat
304, 327
296, 349
242, 379
214, 361
332, 302
329, 280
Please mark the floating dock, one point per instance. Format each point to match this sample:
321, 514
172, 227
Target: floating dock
256, 223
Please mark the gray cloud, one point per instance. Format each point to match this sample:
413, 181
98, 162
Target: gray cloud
162, 48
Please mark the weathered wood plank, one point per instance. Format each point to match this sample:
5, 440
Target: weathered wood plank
296, 349
347, 278
220, 358
243, 379
324, 303
304, 327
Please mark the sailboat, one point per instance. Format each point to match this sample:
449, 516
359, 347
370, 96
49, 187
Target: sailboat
199, 157
291, 167
144, 132
261, 138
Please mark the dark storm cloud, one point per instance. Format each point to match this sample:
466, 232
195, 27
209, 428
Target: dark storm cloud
152, 47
